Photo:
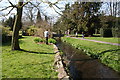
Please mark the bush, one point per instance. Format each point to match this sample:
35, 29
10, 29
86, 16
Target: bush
52, 41
42, 40
5, 33
5, 30
31, 31
116, 32
39, 40
106, 32
36, 40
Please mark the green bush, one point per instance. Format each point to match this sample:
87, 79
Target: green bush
5, 33
52, 41
106, 32
42, 40
36, 40
31, 31
5, 30
39, 40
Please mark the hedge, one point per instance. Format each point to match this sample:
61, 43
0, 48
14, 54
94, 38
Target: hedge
106, 32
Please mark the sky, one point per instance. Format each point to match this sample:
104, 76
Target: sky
44, 7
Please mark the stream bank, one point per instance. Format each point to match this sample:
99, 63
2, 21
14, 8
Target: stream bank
81, 66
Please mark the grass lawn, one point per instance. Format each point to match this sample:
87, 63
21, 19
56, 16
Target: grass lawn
35, 61
106, 39
111, 39
108, 54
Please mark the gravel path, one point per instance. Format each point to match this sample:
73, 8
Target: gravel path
97, 41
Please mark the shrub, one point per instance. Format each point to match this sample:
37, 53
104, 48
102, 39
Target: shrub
52, 41
36, 40
39, 40
31, 31
5, 33
42, 40
106, 32
5, 30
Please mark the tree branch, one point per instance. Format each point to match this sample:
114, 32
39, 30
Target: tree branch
57, 6
10, 11
12, 4
25, 3
57, 11
6, 8
35, 5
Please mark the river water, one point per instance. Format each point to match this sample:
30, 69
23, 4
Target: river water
81, 66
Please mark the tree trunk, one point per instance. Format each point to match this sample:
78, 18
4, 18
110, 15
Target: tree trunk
111, 11
17, 26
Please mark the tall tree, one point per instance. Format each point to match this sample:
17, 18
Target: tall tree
17, 26
81, 15
17, 23
113, 7
39, 18
30, 11
18, 20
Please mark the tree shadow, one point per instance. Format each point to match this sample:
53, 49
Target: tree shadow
6, 43
9, 38
35, 52
99, 54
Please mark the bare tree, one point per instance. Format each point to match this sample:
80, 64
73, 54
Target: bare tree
30, 11
17, 26
17, 23
113, 6
18, 20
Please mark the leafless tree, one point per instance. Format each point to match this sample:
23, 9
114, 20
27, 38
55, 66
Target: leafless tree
113, 7
18, 21
30, 11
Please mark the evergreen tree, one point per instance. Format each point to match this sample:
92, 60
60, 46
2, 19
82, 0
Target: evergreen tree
39, 19
81, 16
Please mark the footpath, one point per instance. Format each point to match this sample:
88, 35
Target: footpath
96, 41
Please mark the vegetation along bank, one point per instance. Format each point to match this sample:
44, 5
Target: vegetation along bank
108, 54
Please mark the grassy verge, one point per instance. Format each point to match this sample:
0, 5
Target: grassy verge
35, 61
112, 40
108, 54
106, 39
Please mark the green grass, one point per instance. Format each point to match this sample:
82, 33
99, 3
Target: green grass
106, 39
108, 54
36, 61
112, 40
